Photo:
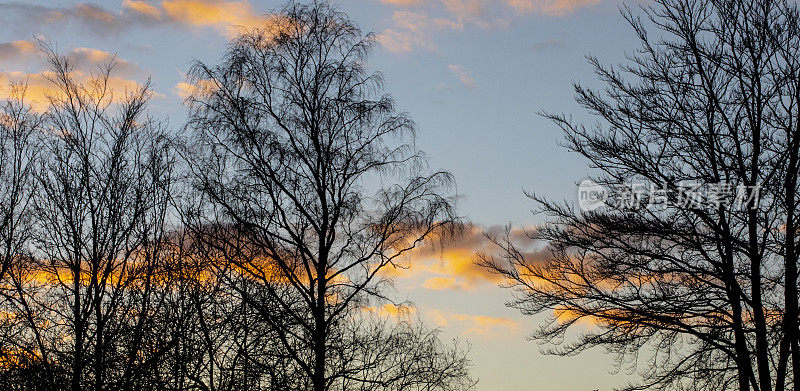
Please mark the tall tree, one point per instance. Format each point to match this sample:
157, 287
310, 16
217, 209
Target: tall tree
708, 107
292, 131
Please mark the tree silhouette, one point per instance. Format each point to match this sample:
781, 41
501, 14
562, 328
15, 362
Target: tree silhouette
253, 263
290, 133
81, 290
710, 101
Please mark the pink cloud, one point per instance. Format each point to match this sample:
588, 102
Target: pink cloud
413, 30
402, 3
463, 76
550, 7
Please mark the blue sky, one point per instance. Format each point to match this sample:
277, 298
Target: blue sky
472, 73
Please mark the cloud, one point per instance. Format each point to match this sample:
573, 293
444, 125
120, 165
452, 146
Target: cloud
463, 76
443, 283
404, 312
474, 325
481, 326
142, 8
94, 17
89, 58
186, 90
547, 43
39, 87
221, 15
413, 30
550, 7
465, 8
563, 314
402, 3
225, 16
17, 49
82, 57
452, 266
86, 63
95, 14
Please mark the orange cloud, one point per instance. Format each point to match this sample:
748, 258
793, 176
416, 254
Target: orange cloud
475, 325
403, 312
89, 58
565, 314
142, 7
39, 88
186, 90
223, 15
80, 57
452, 266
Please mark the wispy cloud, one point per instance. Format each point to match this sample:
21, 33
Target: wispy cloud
464, 76
403, 3
413, 30
547, 44
550, 7
474, 325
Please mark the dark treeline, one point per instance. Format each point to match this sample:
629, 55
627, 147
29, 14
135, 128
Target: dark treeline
243, 253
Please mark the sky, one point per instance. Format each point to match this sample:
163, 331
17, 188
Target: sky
473, 74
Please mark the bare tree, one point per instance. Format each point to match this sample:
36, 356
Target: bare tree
226, 344
710, 102
291, 133
19, 127
84, 298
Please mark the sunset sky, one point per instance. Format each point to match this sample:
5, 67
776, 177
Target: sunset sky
472, 73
